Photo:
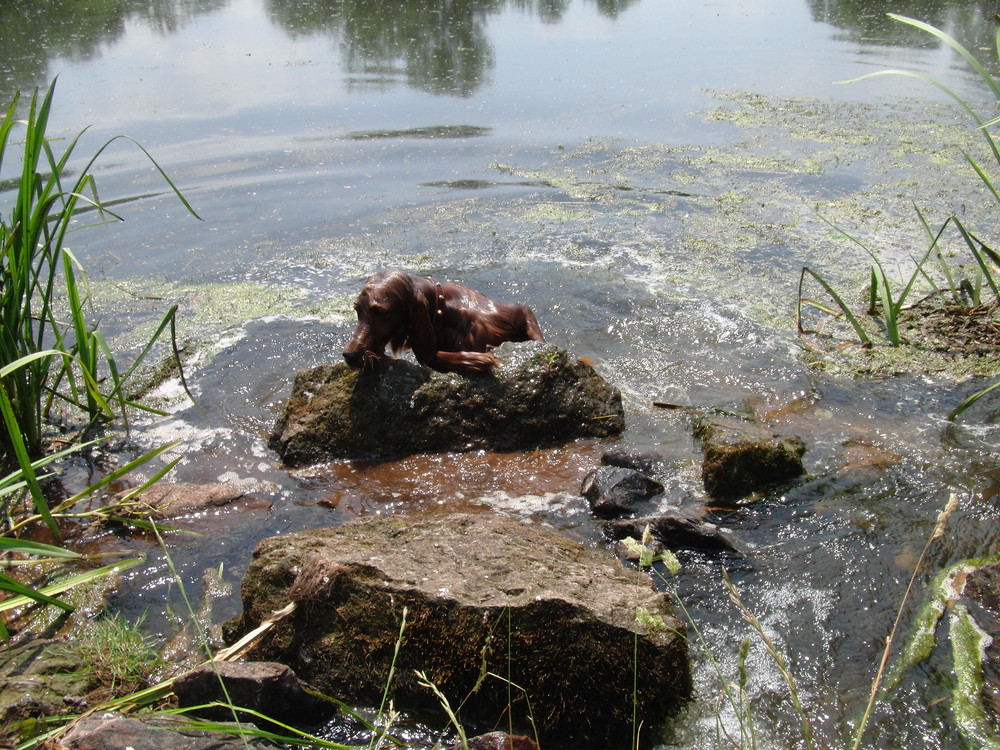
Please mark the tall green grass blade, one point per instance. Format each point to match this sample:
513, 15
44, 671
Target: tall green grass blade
294, 736
169, 320
967, 403
27, 547
936, 248
958, 99
858, 329
15, 481
157, 476
7, 124
118, 473
872, 292
982, 175
978, 250
32, 250
71, 582
26, 593
983, 73
988, 79
880, 286
166, 178
21, 453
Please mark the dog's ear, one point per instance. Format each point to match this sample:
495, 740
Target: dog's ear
421, 336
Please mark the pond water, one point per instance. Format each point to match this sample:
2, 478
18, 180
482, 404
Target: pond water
649, 176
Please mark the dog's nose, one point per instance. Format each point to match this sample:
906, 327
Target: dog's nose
355, 357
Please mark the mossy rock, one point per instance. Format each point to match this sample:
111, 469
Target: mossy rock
481, 593
537, 396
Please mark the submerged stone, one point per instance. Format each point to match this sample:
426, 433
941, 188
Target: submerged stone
516, 621
537, 396
39, 679
742, 457
267, 688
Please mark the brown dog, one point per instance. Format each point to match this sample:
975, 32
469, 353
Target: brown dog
449, 327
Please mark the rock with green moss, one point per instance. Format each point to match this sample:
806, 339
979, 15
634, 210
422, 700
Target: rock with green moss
742, 456
538, 395
513, 622
39, 679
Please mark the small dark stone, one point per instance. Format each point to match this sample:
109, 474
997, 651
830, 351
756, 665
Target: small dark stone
648, 463
614, 491
269, 688
673, 531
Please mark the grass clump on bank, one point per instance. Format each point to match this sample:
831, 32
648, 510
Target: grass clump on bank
50, 351
53, 359
973, 298
117, 654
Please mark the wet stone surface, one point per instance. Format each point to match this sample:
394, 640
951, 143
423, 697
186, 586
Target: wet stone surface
537, 396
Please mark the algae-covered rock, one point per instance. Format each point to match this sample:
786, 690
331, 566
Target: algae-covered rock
482, 594
537, 396
742, 457
38, 679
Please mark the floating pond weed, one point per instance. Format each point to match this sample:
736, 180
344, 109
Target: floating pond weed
968, 295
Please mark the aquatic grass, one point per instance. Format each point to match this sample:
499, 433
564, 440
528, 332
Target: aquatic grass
843, 307
43, 304
12, 488
22, 595
116, 654
127, 656
986, 258
119, 510
46, 337
651, 559
886, 301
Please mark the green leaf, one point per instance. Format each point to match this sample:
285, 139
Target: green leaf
25, 547
68, 583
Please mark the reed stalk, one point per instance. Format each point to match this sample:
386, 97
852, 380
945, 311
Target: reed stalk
44, 325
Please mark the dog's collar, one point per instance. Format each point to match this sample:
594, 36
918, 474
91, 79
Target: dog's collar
438, 300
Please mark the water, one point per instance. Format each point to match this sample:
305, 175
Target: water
648, 176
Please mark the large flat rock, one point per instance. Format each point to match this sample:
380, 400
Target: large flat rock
491, 603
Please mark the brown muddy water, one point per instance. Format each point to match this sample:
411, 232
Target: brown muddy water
649, 176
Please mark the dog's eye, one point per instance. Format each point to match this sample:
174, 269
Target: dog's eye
378, 310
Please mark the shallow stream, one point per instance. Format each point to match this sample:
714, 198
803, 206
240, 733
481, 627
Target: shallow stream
650, 177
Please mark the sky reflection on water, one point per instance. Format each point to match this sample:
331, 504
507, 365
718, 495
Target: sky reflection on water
628, 69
